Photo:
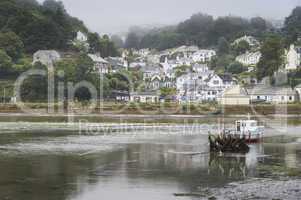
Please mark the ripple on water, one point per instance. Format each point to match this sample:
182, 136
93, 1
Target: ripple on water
81, 145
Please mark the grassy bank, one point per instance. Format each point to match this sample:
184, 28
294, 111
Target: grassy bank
163, 109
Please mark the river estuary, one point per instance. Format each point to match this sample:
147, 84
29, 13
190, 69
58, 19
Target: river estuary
52, 162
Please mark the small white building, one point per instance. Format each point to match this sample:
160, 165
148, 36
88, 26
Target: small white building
142, 52
298, 90
117, 64
293, 59
145, 97
46, 57
252, 41
249, 58
274, 95
186, 51
81, 37
150, 71
100, 65
235, 95
203, 55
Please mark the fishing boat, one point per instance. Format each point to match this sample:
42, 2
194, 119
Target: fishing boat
237, 140
247, 129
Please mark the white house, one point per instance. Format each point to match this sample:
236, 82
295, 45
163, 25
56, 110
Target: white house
46, 57
203, 55
153, 58
117, 64
215, 81
298, 90
144, 97
81, 37
100, 65
275, 95
142, 52
199, 87
293, 59
249, 58
234, 95
186, 51
150, 71
137, 64
249, 39
200, 68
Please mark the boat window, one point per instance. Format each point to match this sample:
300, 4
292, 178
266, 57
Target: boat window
253, 124
238, 126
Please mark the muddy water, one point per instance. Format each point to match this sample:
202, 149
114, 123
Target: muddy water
63, 165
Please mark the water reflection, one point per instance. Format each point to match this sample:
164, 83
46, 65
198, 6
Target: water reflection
152, 168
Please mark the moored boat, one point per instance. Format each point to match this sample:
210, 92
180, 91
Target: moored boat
247, 129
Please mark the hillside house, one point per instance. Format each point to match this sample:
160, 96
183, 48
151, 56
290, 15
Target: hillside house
252, 41
235, 95
293, 58
117, 64
203, 55
100, 65
249, 58
298, 90
145, 97
46, 57
274, 95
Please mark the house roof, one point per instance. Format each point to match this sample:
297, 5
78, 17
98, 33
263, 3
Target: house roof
151, 68
47, 52
235, 91
266, 90
97, 58
226, 77
186, 48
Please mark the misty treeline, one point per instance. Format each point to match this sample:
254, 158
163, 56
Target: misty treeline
205, 31
27, 26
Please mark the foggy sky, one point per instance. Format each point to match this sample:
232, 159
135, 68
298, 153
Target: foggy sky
113, 16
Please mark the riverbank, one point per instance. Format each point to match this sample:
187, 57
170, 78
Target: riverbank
159, 110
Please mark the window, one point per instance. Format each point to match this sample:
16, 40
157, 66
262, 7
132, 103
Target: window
258, 97
215, 82
290, 98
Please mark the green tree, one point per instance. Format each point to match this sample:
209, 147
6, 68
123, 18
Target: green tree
94, 42
221, 62
132, 41
102, 45
223, 46
258, 26
107, 47
77, 70
292, 26
180, 70
5, 63
35, 87
117, 40
272, 56
236, 68
242, 47
168, 92
12, 44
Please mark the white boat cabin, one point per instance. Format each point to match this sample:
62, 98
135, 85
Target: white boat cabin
248, 127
